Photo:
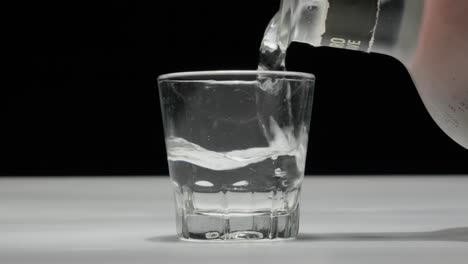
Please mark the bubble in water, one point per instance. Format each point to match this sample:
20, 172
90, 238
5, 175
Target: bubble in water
247, 235
280, 173
204, 184
240, 183
212, 235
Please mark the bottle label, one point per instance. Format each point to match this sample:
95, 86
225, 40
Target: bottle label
351, 24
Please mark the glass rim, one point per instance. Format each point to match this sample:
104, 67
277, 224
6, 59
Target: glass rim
198, 74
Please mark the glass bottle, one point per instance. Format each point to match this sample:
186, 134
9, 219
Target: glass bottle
430, 37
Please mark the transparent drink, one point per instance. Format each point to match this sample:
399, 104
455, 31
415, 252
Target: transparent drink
236, 145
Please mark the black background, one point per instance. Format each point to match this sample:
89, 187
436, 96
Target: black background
85, 101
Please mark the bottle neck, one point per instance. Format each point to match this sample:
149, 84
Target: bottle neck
398, 28
384, 26
390, 27
351, 24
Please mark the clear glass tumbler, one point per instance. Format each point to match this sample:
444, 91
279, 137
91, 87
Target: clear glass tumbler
236, 144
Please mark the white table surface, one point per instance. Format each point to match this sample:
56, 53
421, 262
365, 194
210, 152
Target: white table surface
131, 220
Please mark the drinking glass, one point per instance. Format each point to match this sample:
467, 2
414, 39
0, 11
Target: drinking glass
236, 146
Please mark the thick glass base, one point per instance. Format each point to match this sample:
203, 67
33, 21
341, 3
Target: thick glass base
238, 226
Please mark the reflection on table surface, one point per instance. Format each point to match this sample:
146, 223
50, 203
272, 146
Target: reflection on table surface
131, 219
